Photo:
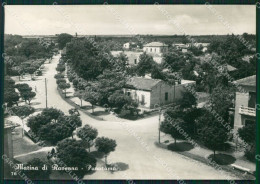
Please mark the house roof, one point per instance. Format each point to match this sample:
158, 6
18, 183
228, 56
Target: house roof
231, 68
9, 124
248, 81
155, 44
142, 83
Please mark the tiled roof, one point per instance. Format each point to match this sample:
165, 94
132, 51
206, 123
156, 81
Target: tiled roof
142, 83
231, 68
248, 81
155, 44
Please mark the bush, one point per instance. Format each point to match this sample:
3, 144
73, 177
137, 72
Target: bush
71, 77
59, 76
250, 154
58, 81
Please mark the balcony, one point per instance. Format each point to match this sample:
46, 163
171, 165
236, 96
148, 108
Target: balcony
247, 111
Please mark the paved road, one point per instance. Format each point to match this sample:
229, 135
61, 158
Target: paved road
137, 161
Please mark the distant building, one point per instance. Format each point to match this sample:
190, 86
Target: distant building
133, 57
129, 45
245, 103
180, 46
126, 45
150, 93
155, 47
184, 50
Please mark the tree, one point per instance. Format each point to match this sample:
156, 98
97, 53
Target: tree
61, 80
28, 96
54, 132
48, 115
39, 174
248, 133
63, 39
211, 132
35, 122
188, 100
31, 71
52, 114
11, 97
119, 99
92, 97
221, 100
80, 95
60, 68
87, 135
59, 76
175, 60
145, 64
74, 154
105, 145
157, 73
109, 82
23, 87
72, 122
64, 86
170, 126
129, 110
22, 112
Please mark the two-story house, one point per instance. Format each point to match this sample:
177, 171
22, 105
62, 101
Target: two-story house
245, 102
155, 48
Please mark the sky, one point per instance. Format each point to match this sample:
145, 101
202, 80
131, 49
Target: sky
130, 19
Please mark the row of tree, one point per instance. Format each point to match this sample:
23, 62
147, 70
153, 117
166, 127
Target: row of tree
11, 97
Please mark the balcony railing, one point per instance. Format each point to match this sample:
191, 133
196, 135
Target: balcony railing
247, 111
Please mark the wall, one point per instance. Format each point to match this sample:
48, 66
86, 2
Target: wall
241, 99
137, 95
158, 94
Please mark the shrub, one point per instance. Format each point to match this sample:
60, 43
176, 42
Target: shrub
59, 76
58, 81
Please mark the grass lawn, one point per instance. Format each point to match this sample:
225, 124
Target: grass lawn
23, 145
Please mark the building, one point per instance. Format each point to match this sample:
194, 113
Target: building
155, 47
150, 93
180, 46
133, 57
126, 46
130, 45
245, 103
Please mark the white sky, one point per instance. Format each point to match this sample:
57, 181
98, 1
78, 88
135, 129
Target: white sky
128, 19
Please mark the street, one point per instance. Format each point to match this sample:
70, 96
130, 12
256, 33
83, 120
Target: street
136, 160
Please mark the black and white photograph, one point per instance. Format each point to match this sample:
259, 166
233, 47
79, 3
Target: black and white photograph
130, 92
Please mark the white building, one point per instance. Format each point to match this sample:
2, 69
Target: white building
126, 45
245, 103
155, 47
150, 93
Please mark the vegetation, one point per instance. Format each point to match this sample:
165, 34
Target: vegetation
74, 154
87, 135
105, 145
39, 174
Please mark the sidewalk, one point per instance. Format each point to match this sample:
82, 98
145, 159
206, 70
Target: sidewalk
201, 154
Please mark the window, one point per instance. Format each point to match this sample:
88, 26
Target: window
151, 50
135, 61
143, 100
252, 99
128, 93
155, 50
166, 96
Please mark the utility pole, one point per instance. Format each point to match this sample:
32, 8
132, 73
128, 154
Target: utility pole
46, 93
160, 109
